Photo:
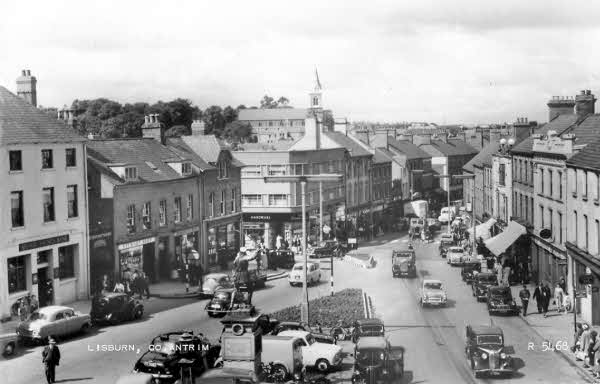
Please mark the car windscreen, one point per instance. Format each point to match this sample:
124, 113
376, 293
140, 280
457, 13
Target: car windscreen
486, 278
377, 329
221, 296
489, 339
433, 285
37, 316
500, 293
370, 357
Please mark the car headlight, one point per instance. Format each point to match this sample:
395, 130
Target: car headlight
503, 355
384, 372
484, 355
35, 332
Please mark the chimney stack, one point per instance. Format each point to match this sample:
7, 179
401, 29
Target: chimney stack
584, 103
153, 128
198, 128
27, 87
560, 105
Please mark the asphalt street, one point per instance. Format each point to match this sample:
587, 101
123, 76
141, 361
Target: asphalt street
434, 338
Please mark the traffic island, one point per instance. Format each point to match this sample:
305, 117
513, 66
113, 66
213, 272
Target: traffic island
363, 260
346, 306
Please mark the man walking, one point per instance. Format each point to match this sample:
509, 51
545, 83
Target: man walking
50, 359
537, 296
546, 294
524, 295
559, 296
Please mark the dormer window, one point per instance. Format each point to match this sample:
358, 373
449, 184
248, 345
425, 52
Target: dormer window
186, 168
130, 173
223, 170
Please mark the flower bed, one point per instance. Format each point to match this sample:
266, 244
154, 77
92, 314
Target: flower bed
346, 305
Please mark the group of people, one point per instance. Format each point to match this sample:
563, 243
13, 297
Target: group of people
586, 347
131, 283
543, 295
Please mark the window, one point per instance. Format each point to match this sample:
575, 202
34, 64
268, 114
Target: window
66, 262
551, 218
585, 227
211, 203
222, 202
130, 173
585, 186
131, 216
560, 186
147, 215
574, 182
531, 208
16, 274
550, 175
560, 228
48, 204
542, 177
190, 207
177, 209
162, 212
186, 168
16, 163
597, 238
223, 169
233, 199
576, 227
280, 200
70, 157
502, 177
16, 209
72, 201
253, 200
542, 216
526, 215
47, 159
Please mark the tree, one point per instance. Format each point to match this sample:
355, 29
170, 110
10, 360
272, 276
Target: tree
214, 121
229, 114
241, 106
283, 101
268, 102
237, 132
328, 121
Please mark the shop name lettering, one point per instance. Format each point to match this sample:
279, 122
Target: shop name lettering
260, 217
130, 260
43, 242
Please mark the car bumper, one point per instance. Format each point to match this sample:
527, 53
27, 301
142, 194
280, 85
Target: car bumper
435, 301
510, 310
495, 372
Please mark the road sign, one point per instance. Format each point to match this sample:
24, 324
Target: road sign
586, 279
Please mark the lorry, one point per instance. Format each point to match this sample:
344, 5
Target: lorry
404, 263
416, 208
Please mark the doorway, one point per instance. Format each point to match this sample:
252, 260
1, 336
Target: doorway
148, 261
45, 288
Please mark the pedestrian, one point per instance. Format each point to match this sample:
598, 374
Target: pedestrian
559, 297
584, 343
51, 359
577, 337
119, 287
105, 284
537, 296
563, 285
547, 294
591, 349
524, 295
278, 242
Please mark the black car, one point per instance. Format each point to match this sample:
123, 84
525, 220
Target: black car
326, 248
114, 308
368, 327
226, 300
168, 351
468, 270
481, 283
500, 300
302, 326
281, 258
376, 361
485, 351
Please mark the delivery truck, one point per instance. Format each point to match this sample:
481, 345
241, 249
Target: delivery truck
416, 208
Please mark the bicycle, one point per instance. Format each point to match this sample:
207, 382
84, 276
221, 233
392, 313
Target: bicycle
274, 373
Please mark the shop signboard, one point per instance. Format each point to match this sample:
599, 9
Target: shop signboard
43, 243
136, 244
268, 217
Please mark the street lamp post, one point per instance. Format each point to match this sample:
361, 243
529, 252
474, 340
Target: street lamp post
472, 177
449, 177
303, 180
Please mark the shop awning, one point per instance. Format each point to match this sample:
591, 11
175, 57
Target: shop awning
500, 243
482, 230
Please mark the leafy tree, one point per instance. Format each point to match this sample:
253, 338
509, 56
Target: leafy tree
268, 102
241, 106
229, 114
237, 132
282, 101
328, 121
214, 121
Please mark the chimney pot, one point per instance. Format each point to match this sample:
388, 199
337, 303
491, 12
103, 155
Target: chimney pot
24, 72
28, 72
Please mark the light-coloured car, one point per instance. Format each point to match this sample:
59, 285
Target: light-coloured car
433, 293
8, 344
296, 275
446, 214
54, 320
214, 281
322, 356
455, 255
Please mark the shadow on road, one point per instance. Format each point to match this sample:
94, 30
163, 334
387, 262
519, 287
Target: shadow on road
424, 273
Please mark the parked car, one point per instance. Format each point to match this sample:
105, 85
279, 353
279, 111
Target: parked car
226, 300
322, 356
325, 248
485, 351
302, 326
446, 242
55, 320
404, 263
162, 360
446, 214
296, 275
281, 258
114, 308
368, 328
500, 300
214, 281
8, 344
455, 256
434, 224
469, 270
481, 283
432, 293
376, 361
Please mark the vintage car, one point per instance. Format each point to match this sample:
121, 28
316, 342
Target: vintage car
325, 248
485, 351
54, 320
481, 283
432, 293
404, 263
165, 352
322, 356
446, 242
469, 270
368, 328
113, 308
302, 326
456, 256
137, 378
296, 275
8, 344
226, 300
376, 361
500, 300
434, 224
215, 281
281, 258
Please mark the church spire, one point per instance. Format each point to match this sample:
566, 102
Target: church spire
316, 96
318, 87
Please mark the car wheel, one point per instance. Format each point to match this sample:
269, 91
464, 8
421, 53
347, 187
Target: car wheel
84, 328
279, 373
138, 313
9, 349
322, 365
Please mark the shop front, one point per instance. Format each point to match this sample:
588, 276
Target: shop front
102, 260
138, 255
265, 227
549, 263
222, 243
583, 266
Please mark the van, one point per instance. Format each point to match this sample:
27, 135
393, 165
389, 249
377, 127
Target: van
285, 352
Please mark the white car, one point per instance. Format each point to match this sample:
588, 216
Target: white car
314, 354
215, 281
445, 215
54, 320
432, 293
455, 255
296, 275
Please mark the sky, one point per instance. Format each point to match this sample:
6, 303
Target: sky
460, 61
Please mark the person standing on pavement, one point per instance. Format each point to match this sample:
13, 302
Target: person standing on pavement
577, 337
559, 297
585, 342
563, 285
546, 294
537, 296
524, 295
51, 359
591, 349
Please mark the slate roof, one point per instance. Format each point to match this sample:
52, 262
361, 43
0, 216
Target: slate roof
180, 147
410, 150
354, 148
484, 157
22, 123
559, 124
206, 146
381, 156
587, 131
454, 147
587, 158
272, 114
282, 145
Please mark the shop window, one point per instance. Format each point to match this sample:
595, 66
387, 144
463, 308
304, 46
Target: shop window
72, 201
162, 212
48, 204
16, 206
252, 200
70, 157
147, 215
177, 208
66, 260
278, 200
16, 163
16, 274
47, 161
